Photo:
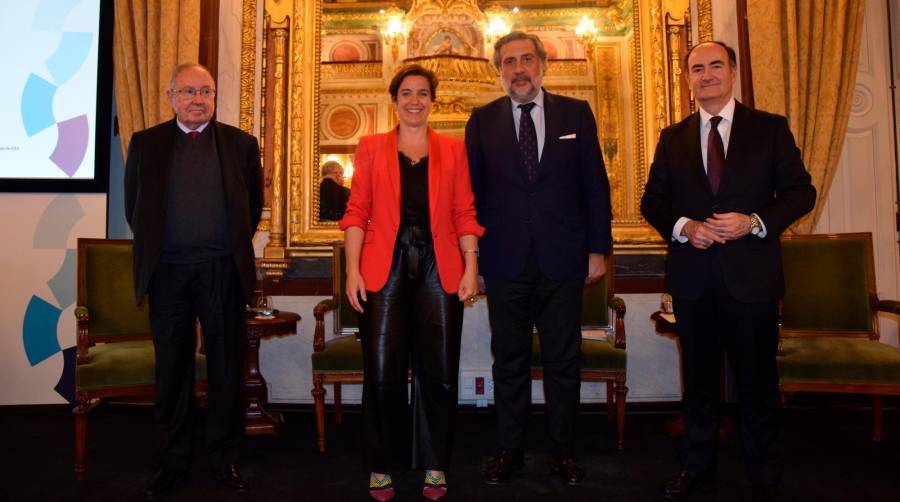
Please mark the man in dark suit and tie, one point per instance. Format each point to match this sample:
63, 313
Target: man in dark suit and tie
542, 194
724, 184
193, 198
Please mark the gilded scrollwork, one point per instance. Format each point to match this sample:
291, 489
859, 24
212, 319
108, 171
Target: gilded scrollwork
628, 70
704, 20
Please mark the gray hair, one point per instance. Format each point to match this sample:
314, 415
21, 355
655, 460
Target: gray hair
186, 66
520, 35
332, 167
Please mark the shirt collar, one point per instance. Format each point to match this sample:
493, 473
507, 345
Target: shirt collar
727, 113
185, 129
538, 101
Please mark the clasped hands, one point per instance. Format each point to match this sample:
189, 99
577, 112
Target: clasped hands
718, 228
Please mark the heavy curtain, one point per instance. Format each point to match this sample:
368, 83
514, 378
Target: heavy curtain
804, 55
150, 38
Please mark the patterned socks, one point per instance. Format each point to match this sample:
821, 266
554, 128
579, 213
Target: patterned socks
380, 487
435, 485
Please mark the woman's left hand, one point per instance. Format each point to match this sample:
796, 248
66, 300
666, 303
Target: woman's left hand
468, 287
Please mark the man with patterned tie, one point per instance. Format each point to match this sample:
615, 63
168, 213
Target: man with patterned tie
542, 194
193, 198
724, 184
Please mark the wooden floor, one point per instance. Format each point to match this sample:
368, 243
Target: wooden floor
830, 458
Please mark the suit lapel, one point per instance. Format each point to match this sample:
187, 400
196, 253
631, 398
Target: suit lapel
695, 155
434, 174
227, 162
509, 140
552, 129
738, 142
161, 155
392, 165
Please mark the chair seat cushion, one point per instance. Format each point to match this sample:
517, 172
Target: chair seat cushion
595, 355
123, 364
839, 360
342, 353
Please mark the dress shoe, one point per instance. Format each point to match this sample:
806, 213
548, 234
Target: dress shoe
566, 467
686, 483
764, 493
230, 476
164, 481
501, 467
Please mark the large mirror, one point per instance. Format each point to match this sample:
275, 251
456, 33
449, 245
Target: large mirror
324, 66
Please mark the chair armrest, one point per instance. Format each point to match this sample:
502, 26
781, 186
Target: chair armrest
889, 306
319, 313
82, 316
618, 306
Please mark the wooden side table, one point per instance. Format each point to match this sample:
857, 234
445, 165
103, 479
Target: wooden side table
256, 396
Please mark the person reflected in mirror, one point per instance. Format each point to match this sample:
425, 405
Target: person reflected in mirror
193, 199
724, 184
333, 195
542, 194
411, 240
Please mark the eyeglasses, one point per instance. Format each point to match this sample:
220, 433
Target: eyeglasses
189, 92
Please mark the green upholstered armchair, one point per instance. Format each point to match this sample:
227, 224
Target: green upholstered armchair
338, 360
115, 355
603, 360
829, 321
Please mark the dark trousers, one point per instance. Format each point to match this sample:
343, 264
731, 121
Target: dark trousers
748, 333
515, 307
411, 321
179, 294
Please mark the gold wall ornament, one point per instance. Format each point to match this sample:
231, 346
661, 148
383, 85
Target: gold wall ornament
626, 79
704, 20
248, 64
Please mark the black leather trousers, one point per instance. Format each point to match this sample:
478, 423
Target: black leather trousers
413, 323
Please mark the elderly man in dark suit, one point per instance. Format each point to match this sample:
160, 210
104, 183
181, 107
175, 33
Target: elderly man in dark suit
542, 194
193, 198
724, 184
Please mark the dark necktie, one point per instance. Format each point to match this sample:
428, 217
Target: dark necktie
194, 134
715, 155
528, 142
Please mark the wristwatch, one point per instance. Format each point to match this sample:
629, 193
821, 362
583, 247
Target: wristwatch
755, 225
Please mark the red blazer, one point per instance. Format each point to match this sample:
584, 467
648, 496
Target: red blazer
374, 205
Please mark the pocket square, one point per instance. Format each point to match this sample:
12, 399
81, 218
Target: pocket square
568, 136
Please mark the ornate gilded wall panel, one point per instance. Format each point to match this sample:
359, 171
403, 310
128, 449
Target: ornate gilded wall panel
627, 70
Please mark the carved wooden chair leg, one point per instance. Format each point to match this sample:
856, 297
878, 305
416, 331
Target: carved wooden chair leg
877, 412
337, 403
82, 408
610, 406
621, 391
318, 394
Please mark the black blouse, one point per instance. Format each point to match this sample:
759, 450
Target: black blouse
413, 189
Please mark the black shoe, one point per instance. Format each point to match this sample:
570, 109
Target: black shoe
566, 467
164, 481
501, 467
764, 493
230, 476
686, 483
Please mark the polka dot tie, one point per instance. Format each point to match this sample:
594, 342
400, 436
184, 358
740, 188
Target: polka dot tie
715, 155
528, 142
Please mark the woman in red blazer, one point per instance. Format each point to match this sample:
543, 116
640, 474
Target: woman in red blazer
411, 240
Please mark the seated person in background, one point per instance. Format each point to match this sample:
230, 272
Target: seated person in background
333, 195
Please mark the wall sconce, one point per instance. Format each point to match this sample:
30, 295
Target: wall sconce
395, 29
587, 32
498, 22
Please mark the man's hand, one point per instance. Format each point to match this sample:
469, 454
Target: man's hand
729, 226
596, 268
701, 235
